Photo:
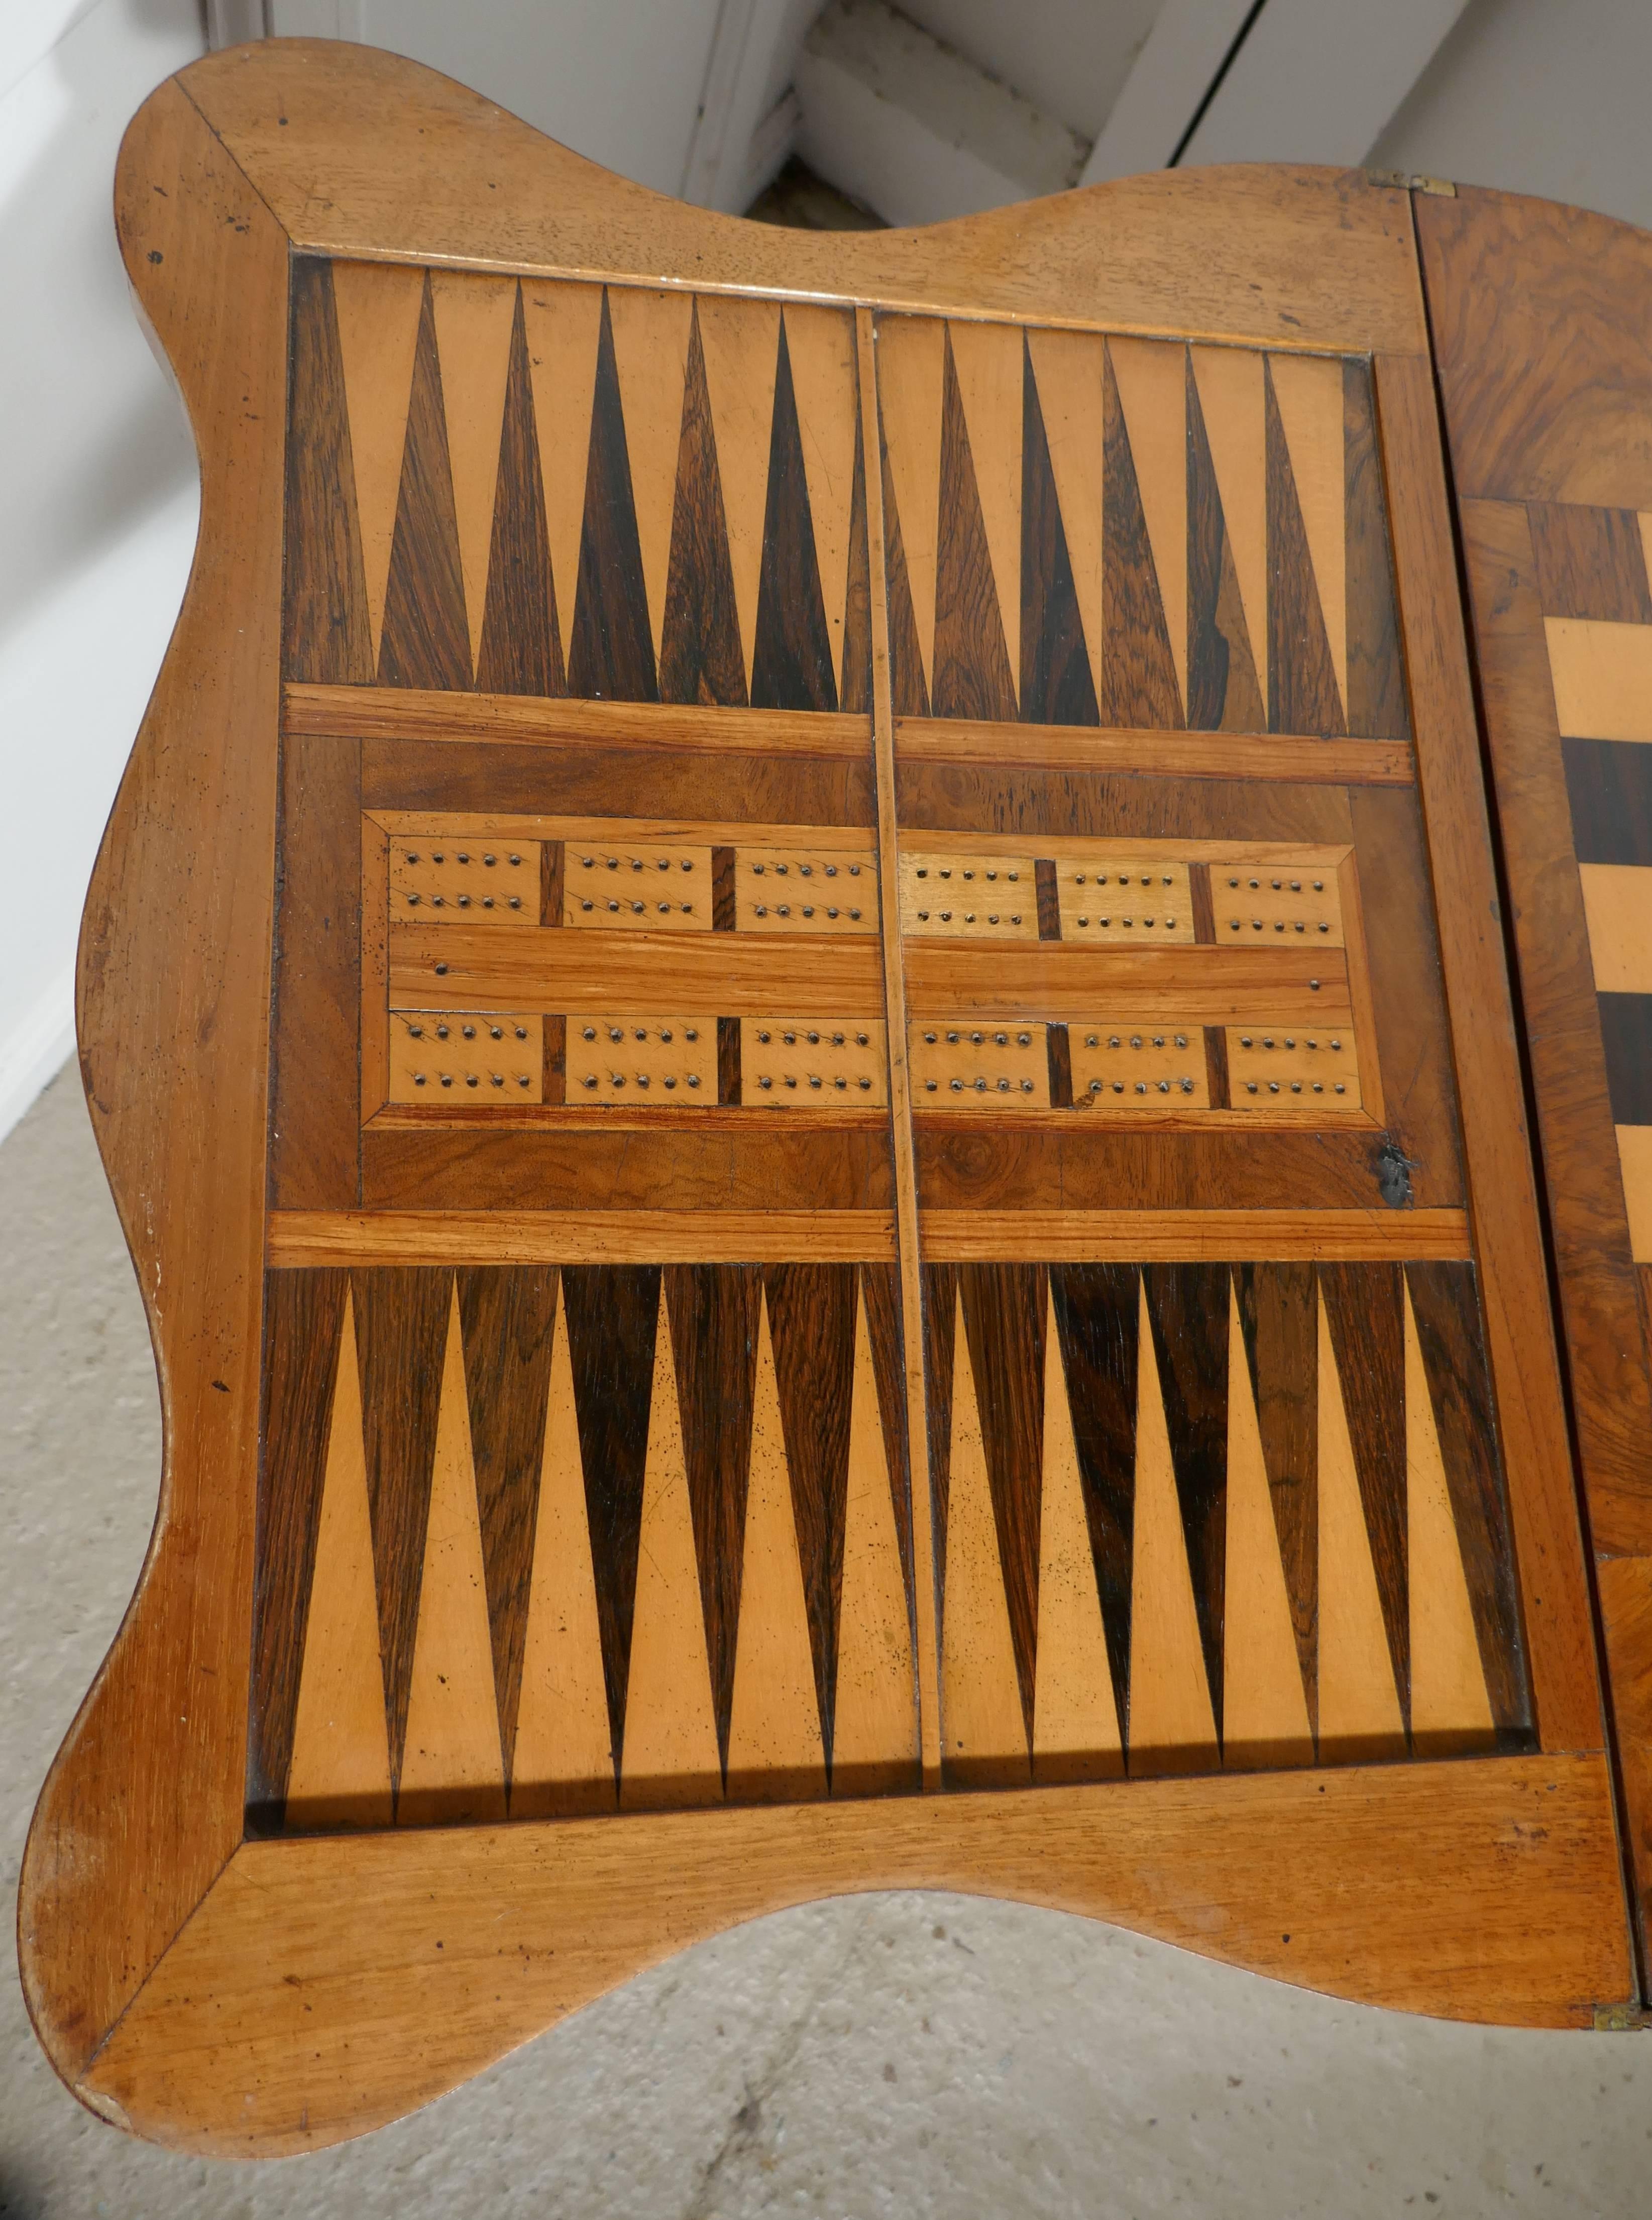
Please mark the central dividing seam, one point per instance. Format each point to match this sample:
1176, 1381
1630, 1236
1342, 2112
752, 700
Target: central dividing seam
924, 1570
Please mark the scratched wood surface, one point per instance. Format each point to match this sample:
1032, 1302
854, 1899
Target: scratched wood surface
874, 1180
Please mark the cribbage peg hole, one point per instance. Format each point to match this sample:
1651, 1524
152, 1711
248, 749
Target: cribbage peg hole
652, 886
1297, 1072
964, 875
971, 917
621, 1059
941, 1049
1285, 905
636, 896
441, 1055
619, 1036
451, 879
1181, 1083
813, 892
801, 1059
814, 1037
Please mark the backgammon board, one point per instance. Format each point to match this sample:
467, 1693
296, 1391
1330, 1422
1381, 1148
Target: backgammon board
799, 1009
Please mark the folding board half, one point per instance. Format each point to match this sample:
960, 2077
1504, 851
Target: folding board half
1540, 320
796, 1004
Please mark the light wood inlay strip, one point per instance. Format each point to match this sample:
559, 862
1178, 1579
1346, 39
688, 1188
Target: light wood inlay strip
895, 990
1293, 758
1085, 848
1098, 1114
720, 832
1082, 848
299, 1238
1182, 986
673, 1115
1190, 1237
732, 1119
411, 712
734, 974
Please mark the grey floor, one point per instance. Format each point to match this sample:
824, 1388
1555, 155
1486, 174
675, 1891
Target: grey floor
904, 2054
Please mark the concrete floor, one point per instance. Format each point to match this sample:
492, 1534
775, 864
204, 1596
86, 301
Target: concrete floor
904, 2054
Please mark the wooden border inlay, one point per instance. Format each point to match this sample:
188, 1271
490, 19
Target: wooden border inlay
300, 1238
1296, 759
895, 991
1151, 1237
409, 713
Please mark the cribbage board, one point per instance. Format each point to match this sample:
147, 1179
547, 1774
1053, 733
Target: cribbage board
826, 1135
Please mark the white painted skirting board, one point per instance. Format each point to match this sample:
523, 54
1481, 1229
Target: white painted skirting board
74, 677
98, 473
39, 1046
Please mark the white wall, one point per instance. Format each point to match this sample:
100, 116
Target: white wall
617, 80
100, 499
1545, 96
1068, 57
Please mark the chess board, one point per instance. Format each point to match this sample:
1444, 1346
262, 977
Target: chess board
846, 1197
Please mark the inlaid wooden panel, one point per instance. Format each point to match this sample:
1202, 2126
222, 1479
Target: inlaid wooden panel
1126, 974
536, 1465
610, 1543
613, 1463
1209, 971
1250, 1447
990, 1068
804, 890
967, 897
1248, 899
569, 1464
1122, 1069
612, 492
1268, 1069
1076, 972
617, 927
793, 1061
1114, 900
624, 1057
479, 883
466, 1056
660, 888
1085, 530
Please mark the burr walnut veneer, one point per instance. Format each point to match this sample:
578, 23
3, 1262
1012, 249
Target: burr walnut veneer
798, 1006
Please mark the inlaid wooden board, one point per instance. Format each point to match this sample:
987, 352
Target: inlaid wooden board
601, 492
1557, 501
1277, 941
1084, 530
890, 1163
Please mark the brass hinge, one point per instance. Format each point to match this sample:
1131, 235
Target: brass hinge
1411, 183
1620, 2019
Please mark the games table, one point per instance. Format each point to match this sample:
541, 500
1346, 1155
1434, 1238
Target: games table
873, 1013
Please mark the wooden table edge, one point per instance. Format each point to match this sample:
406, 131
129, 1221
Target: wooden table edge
278, 2023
